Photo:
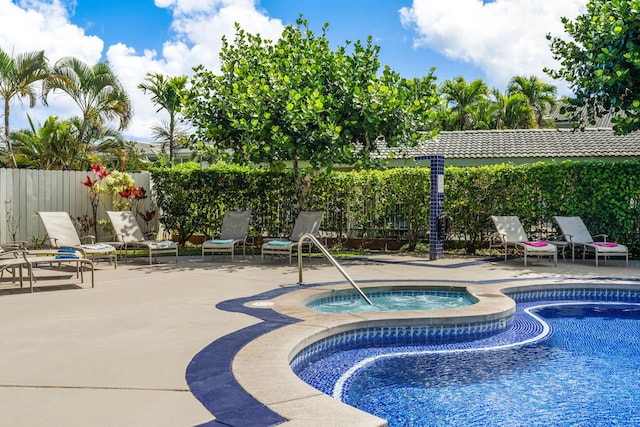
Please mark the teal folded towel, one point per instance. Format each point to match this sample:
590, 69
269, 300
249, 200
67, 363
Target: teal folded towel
221, 242
279, 243
66, 257
66, 250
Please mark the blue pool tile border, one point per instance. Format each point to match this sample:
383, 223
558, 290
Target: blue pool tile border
209, 373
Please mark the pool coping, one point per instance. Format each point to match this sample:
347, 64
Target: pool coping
245, 378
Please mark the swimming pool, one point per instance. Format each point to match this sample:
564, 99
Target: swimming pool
389, 298
565, 370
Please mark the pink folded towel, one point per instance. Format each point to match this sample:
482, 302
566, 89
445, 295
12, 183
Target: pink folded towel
536, 244
605, 244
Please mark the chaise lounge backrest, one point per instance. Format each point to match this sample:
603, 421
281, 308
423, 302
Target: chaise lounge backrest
510, 227
125, 226
307, 222
60, 229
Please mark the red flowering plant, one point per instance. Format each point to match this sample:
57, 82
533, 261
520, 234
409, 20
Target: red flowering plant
95, 189
133, 198
147, 217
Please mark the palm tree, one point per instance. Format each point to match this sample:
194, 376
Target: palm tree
99, 140
17, 77
39, 148
462, 97
96, 90
540, 96
511, 111
56, 145
166, 94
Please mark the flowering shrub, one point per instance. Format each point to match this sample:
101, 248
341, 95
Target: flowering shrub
119, 185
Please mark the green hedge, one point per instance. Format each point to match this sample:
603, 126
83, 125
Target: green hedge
382, 203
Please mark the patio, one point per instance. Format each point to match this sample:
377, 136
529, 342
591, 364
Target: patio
117, 354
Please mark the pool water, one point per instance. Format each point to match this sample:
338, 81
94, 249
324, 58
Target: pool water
586, 374
391, 300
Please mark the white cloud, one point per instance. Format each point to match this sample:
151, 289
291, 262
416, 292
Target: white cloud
35, 26
198, 25
504, 38
45, 26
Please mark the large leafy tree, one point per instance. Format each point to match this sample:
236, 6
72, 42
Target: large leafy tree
165, 93
541, 97
95, 89
601, 63
463, 97
298, 100
18, 75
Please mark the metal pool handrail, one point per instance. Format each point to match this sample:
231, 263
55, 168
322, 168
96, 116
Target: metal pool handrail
326, 253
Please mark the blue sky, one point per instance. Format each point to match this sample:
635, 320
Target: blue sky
346, 19
476, 39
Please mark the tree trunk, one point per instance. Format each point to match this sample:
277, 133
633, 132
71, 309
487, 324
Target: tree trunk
303, 185
7, 140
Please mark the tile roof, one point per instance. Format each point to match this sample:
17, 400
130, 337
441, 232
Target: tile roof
565, 120
525, 143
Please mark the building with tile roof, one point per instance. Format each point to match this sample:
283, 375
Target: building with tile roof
517, 146
485, 147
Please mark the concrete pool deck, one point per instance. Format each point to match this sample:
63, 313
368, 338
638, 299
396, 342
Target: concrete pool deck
118, 354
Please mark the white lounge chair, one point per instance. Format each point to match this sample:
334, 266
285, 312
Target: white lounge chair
129, 233
512, 235
307, 222
235, 229
576, 233
12, 259
20, 258
61, 233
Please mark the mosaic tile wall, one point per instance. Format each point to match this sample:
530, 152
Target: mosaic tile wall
399, 335
586, 294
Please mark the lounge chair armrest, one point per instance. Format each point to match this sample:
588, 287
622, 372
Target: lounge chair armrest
604, 236
90, 238
50, 239
18, 244
14, 253
117, 237
497, 240
497, 237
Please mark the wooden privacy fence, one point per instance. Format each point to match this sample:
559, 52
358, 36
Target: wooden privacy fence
25, 192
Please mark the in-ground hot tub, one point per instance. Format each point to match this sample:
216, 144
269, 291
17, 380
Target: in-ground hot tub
392, 298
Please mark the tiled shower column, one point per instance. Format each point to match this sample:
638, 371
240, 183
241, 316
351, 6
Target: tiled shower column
436, 244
